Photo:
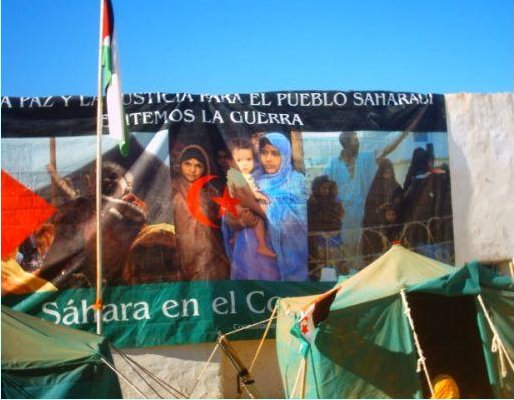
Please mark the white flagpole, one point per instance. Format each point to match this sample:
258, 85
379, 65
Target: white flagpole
99, 120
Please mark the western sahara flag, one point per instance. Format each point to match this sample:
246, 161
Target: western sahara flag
111, 81
310, 316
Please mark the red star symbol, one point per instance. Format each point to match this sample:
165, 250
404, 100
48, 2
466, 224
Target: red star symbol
227, 203
304, 326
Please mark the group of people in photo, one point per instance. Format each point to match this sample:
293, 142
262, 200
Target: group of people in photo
355, 210
266, 237
369, 209
243, 210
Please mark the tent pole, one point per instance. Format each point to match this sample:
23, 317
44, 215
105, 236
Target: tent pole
304, 375
298, 375
416, 341
99, 302
53, 163
263, 338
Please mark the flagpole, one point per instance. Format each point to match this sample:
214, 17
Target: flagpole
99, 120
53, 163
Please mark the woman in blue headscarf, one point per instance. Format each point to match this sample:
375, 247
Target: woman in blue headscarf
286, 219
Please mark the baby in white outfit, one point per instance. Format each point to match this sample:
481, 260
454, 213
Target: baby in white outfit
240, 176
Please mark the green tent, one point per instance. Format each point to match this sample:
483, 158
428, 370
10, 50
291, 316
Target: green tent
365, 346
43, 360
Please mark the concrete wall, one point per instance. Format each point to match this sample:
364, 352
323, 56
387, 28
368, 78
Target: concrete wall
481, 149
180, 366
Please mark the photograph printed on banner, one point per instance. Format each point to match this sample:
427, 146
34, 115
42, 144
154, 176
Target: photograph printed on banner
245, 205
371, 189
137, 234
239, 206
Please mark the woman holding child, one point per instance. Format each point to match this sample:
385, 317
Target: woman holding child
284, 214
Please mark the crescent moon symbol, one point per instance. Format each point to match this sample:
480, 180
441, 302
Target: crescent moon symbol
193, 200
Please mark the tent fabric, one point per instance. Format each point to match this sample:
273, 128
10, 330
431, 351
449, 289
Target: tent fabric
498, 295
397, 269
43, 360
365, 349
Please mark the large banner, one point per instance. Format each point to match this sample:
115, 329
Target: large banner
223, 204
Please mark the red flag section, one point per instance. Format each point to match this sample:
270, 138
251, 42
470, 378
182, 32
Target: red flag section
107, 21
23, 211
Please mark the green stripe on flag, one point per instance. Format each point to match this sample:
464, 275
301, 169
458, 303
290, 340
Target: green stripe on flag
106, 66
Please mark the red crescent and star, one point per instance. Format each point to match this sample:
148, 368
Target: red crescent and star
227, 203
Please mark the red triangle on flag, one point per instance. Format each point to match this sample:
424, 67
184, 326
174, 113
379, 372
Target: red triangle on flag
23, 211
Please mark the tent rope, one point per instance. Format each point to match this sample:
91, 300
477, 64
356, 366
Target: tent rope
123, 377
245, 387
138, 373
497, 343
263, 338
169, 388
267, 320
243, 374
419, 364
494, 348
200, 376
205, 367
421, 360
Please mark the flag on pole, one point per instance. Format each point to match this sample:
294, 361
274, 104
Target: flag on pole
111, 83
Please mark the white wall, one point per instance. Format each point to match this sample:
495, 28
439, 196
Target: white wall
481, 149
180, 366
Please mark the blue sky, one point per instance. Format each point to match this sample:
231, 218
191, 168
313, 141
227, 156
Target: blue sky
49, 47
